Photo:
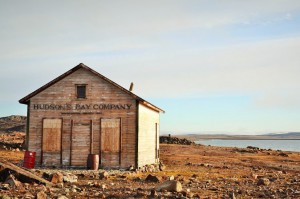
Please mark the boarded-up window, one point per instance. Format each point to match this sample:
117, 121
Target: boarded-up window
52, 135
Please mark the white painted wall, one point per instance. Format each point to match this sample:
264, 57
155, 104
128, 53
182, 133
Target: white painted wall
148, 119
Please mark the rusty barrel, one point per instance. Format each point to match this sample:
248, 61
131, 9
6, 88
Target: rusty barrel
29, 159
93, 162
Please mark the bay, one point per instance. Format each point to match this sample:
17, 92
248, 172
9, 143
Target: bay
284, 145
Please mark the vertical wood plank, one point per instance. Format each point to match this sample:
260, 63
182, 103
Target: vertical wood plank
71, 142
42, 152
100, 145
61, 140
120, 141
91, 136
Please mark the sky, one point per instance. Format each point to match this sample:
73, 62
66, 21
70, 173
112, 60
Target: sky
214, 66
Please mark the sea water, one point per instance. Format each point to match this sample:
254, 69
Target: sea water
284, 145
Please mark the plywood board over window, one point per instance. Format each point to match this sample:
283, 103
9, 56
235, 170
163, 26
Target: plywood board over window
110, 142
51, 144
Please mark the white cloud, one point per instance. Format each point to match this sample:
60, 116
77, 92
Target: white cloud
37, 28
126, 40
257, 69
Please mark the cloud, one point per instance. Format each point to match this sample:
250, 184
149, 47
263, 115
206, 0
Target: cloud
261, 69
168, 48
49, 28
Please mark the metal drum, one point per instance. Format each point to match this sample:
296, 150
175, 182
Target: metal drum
29, 159
93, 162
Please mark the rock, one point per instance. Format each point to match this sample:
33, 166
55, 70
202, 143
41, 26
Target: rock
232, 196
74, 187
103, 187
28, 195
73, 190
263, 181
283, 154
70, 178
101, 195
4, 187
162, 167
57, 178
152, 178
41, 195
149, 168
6, 197
62, 197
60, 185
171, 177
103, 175
131, 168
174, 140
153, 193
12, 181
195, 176
137, 179
47, 176
254, 176
171, 185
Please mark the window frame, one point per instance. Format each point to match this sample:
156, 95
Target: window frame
85, 91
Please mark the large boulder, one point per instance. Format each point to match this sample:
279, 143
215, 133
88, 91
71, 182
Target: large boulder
152, 178
171, 185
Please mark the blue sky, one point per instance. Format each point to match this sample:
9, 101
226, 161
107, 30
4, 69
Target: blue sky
215, 66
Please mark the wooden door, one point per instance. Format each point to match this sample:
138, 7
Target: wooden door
110, 143
51, 142
80, 143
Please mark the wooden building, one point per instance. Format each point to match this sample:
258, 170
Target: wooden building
82, 112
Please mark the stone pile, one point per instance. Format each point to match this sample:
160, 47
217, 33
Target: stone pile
12, 141
174, 140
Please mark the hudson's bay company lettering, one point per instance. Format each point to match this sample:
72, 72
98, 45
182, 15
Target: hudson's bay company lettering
81, 106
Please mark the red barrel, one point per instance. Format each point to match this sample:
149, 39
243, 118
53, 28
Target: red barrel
93, 162
29, 159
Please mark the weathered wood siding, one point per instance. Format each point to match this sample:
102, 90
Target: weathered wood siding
148, 135
77, 134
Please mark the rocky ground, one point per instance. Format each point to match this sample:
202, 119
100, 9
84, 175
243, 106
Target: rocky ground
189, 171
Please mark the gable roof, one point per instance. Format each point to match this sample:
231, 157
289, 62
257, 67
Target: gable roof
26, 99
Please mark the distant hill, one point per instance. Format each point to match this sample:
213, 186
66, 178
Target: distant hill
269, 136
284, 134
13, 123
